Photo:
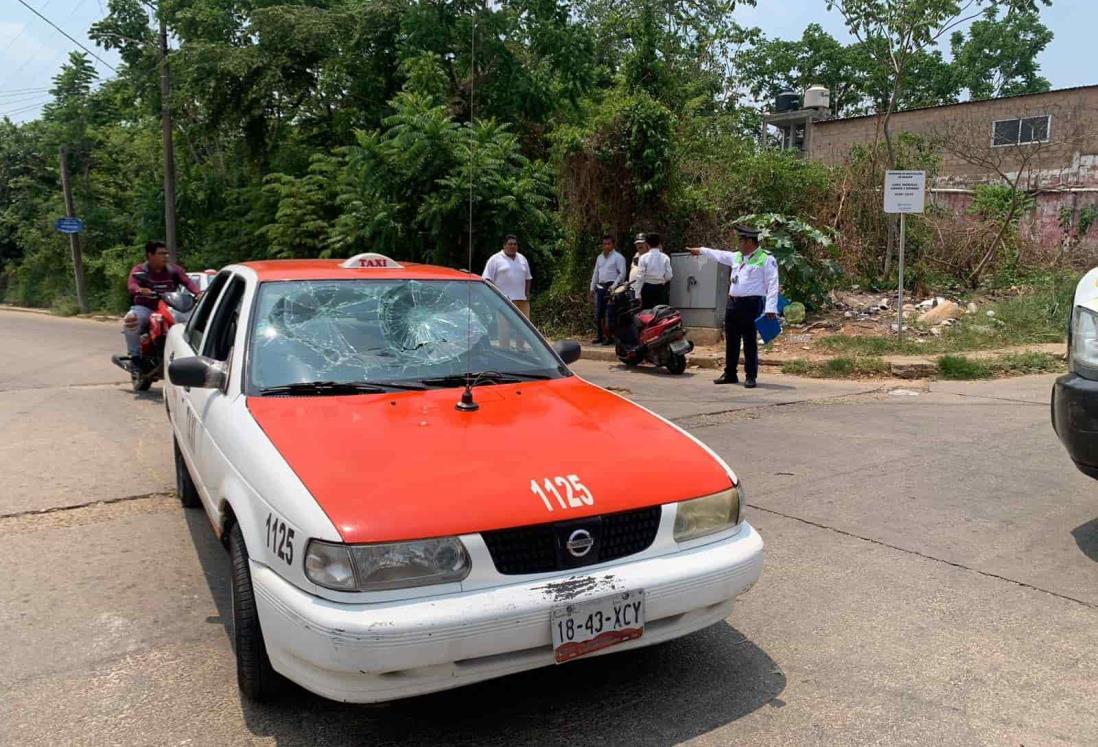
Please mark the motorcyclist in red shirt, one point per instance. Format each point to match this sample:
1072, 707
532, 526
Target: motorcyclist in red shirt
148, 279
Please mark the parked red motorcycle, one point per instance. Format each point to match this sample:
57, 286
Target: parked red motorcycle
655, 335
171, 308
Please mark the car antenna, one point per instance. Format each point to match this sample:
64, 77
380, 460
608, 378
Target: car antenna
467, 403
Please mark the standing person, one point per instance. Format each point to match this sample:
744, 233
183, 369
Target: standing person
752, 292
640, 248
153, 276
510, 272
654, 274
609, 271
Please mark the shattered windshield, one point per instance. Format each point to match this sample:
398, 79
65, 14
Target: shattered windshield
374, 331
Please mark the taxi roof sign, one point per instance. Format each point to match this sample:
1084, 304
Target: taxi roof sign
371, 261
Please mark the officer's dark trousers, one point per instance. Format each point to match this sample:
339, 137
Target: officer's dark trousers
654, 295
739, 324
604, 328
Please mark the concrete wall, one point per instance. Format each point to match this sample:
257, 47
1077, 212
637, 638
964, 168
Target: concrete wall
1071, 156
1063, 173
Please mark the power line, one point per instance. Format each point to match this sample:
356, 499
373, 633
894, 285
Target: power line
66, 35
24, 109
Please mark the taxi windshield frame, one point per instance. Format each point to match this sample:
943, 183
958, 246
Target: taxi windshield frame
513, 317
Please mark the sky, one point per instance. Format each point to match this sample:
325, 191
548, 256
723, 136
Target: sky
31, 51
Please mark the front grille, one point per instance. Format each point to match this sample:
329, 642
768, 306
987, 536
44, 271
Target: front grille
541, 548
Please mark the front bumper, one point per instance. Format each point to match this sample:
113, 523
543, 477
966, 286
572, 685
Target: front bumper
1075, 420
367, 653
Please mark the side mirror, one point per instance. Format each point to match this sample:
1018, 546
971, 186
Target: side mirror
568, 350
198, 371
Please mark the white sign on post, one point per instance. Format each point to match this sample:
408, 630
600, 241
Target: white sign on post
904, 192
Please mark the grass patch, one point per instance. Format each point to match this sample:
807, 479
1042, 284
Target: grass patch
837, 368
797, 367
1029, 363
1037, 316
65, 306
961, 367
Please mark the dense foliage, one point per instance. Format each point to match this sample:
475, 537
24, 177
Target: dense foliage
335, 126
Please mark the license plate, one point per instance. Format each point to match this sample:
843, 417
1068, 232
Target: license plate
680, 346
585, 627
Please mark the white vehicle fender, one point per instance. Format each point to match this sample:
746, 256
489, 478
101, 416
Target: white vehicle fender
276, 513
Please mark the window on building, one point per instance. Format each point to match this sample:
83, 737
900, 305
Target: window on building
1021, 131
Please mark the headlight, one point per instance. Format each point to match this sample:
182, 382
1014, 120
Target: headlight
1084, 343
714, 513
395, 565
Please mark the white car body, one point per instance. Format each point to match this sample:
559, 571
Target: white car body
382, 645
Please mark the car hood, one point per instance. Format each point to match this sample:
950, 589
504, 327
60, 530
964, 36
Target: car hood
409, 465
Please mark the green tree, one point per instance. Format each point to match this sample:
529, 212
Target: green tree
998, 57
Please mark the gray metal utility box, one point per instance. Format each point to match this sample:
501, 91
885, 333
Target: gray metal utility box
699, 289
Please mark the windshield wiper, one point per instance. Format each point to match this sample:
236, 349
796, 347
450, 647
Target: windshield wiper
334, 388
483, 377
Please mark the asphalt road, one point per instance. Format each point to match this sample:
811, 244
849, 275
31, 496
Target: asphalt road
931, 578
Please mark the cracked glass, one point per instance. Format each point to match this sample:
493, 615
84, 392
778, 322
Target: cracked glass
375, 331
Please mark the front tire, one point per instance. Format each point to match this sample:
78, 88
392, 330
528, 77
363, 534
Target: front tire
184, 485
254, 674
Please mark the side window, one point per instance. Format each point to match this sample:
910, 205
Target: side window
196, 327
221, 333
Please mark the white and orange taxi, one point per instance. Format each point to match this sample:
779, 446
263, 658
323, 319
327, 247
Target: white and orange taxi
418, 494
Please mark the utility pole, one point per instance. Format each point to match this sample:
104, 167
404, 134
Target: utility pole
74, 238
169, 149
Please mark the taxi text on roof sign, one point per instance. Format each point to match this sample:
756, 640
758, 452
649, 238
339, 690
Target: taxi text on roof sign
372, 261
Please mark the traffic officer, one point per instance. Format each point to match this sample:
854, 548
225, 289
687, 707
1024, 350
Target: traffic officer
654, 274
752, 293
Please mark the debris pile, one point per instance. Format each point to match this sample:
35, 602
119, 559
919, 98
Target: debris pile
928, 317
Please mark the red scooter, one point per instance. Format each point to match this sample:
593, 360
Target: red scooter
171, 308
655, 335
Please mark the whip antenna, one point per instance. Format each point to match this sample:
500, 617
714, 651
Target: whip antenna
467, 404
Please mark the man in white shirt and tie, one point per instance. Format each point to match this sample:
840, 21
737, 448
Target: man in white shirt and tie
752, 293
654, 274
609, 271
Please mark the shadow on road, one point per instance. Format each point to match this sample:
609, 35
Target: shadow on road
1086, 537
662, 695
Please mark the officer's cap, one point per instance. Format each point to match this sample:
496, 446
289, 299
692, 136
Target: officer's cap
745, 231
641, 239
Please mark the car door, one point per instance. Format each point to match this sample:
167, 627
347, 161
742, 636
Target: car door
212, 408
184, 345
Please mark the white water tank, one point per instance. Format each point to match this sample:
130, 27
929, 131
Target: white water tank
817, 97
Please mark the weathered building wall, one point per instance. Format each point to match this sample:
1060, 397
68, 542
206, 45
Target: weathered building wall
1062, 173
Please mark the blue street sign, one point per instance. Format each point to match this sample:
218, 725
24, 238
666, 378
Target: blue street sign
69, 225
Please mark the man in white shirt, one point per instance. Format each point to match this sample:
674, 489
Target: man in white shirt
510, 272
752, 293
654, 274
640, 248
609, 271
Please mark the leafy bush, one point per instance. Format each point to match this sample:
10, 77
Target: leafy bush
806, 255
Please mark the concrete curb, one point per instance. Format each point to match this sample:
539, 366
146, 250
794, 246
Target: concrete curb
899, 367
90, 316
25, 309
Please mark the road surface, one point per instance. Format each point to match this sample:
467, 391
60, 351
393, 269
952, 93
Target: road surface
931, 578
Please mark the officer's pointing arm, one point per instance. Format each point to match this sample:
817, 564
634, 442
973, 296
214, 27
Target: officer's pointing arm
721, 256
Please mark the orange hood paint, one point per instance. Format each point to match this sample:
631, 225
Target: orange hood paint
409, 466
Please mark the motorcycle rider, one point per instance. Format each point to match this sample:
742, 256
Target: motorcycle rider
154, 276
